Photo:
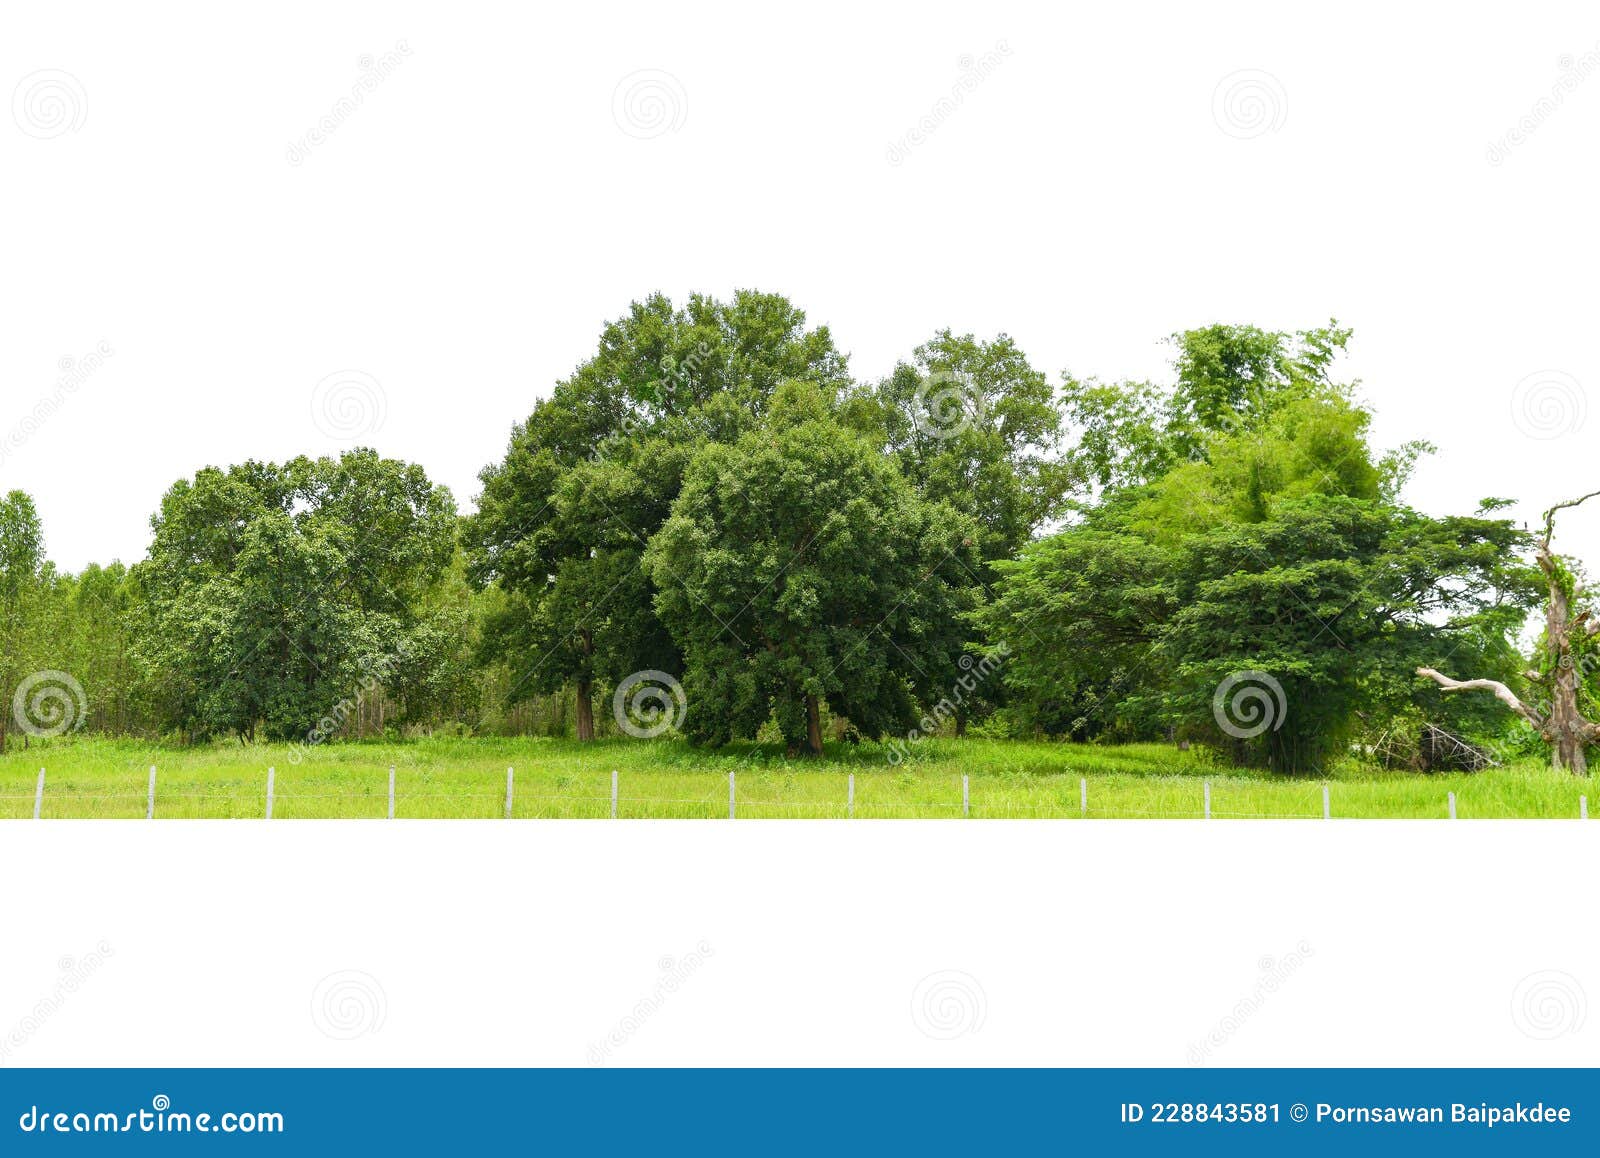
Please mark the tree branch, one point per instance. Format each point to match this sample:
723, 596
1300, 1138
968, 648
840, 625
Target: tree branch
1502, 693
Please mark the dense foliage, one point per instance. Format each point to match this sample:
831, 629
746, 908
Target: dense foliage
714, 501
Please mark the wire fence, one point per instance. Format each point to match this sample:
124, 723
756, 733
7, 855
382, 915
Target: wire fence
401, 801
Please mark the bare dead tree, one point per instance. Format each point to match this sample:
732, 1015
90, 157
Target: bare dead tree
1567, 642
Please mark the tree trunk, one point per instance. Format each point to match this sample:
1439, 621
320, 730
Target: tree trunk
1567, 645
585, 710
813, 727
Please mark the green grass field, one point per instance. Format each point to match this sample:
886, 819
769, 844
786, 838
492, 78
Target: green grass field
466, 779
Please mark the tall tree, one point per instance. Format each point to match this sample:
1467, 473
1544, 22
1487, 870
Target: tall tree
563, 519
22, 571
798, 568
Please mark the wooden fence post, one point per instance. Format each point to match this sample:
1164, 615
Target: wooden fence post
613, 794
730, 796
510, 774
1083, 796
1452, 806
1208, 800
1327, 812
850, 797
391, 791
38, 795
271, 775
1583, 808
966, 799
150, 796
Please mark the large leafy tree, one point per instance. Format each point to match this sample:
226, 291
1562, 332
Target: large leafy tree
798, 568
563, 519
1254, 531
274, 592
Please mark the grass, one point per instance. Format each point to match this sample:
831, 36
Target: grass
466, 779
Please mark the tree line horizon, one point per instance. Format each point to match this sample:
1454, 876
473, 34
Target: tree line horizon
711, 511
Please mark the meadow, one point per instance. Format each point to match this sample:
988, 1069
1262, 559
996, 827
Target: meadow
666, 779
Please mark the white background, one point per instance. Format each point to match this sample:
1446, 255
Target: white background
530, 943
461, 238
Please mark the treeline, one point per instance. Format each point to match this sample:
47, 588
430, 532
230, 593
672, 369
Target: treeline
711, 525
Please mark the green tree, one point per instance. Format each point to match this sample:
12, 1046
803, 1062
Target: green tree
276, 592
22, 576
563, 519
798, 568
